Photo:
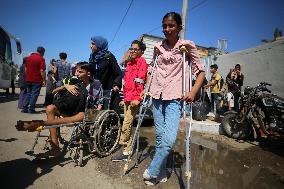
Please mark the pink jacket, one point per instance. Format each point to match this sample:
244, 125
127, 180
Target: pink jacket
134, 79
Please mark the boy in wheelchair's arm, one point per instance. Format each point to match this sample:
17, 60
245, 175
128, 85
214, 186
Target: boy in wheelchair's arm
69, 103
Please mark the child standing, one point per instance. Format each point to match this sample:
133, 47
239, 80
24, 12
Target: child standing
166, 91
134, 82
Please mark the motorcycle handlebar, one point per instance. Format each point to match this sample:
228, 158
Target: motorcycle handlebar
264, 83
263, 88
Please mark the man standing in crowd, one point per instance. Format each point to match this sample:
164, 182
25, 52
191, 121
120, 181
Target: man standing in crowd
62, 69
35, 79
235, 80
215, 85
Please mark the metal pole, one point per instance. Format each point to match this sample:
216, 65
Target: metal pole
183, 17
187, 127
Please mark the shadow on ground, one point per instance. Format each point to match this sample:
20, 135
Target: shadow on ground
12, 178
8, 140
8, 97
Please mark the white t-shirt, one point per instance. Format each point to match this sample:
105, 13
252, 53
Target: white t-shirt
230, 99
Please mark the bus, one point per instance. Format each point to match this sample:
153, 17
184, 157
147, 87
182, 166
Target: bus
10, 53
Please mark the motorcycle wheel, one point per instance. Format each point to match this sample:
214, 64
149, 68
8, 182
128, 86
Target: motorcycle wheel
234, 129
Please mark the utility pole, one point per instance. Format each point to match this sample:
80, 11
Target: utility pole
187, 172
183, 17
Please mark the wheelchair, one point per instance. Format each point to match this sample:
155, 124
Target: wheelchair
99, 132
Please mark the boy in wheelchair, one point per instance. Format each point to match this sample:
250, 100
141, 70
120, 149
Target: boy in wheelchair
71, 109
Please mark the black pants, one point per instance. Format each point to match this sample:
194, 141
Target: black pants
236, 101
112, 102
12, 86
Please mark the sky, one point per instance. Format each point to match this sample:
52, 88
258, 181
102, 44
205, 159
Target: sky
68, 25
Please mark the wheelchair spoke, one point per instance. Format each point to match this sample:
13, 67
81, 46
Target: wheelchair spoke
108, 133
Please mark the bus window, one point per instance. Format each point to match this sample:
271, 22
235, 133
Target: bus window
19, 48
5, 47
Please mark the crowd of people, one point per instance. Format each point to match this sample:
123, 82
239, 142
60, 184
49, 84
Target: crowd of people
225, 94
102, 76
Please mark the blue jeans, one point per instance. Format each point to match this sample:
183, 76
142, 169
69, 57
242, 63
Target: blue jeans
33, 90
166, 119
215, 99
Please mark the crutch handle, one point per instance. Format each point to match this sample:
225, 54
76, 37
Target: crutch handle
183, 49
156, 52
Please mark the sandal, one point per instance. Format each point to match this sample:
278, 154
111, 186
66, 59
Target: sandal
29, 125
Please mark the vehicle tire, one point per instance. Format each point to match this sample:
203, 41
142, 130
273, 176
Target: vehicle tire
234, 129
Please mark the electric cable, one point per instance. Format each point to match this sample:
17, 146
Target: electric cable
121, 22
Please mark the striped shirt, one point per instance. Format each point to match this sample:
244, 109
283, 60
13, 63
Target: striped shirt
63, 70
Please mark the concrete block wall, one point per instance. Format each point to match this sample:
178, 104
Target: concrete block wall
264, 63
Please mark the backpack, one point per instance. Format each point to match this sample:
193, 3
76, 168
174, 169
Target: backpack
201, 107
69, 104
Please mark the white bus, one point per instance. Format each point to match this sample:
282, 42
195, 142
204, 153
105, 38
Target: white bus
10, 52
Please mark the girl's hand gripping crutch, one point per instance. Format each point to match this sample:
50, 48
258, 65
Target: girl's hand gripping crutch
186, 127
142, 111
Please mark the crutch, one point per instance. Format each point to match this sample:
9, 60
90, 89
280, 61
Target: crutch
142, 110
187, 128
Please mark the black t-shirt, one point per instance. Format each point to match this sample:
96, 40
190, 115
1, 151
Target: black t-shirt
69, 104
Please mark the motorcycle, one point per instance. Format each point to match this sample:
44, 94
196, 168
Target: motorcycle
261, 114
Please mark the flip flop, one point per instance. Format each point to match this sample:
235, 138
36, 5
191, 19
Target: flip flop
28, 125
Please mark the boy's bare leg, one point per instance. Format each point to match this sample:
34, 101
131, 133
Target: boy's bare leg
51, 112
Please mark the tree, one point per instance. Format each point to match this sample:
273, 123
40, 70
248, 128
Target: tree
277, 33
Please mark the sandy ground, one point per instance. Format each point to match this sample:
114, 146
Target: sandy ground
18, 170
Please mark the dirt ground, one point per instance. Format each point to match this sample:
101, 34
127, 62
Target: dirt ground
217, 161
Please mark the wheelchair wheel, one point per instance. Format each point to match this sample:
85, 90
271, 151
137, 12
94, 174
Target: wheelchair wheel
106, 132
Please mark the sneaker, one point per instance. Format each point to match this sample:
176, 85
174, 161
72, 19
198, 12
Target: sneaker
148, 180
163, 177
120, 157
151, 181
211, 114
32, 112
24, 111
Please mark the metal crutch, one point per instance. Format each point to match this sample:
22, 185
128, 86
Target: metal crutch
142, 111
187, 128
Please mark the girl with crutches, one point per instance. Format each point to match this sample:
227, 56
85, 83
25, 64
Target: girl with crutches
167, 94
